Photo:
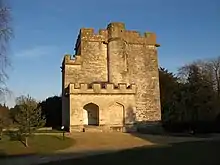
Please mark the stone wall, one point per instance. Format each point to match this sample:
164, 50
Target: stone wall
106, 104
91, 66
112, 101
133, 59
143, 71
113, 55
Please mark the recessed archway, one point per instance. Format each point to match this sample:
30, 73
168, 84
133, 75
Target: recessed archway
116, 114
91, 114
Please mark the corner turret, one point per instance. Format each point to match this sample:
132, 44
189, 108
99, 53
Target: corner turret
115, 29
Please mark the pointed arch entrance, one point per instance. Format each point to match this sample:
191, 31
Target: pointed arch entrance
91, 114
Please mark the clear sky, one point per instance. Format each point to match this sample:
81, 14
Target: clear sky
47, 29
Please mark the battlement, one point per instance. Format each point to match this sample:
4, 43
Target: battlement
135, 37
116, 30
89, 34
72, 60
98, 88
118, 25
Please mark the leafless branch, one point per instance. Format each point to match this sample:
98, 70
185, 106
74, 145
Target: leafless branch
5, 36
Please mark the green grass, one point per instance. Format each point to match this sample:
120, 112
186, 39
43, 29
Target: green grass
187, 153
41, 144
49, 131
42, 131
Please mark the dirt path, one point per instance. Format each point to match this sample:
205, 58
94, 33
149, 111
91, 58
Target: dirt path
96, 143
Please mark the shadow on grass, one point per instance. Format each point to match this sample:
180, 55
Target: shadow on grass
155, 133
13, 135
2, 154
191, 153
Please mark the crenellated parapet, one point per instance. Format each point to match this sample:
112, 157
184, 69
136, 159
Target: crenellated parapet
72, 60
98, 88
88, 34
114, 31
134, 37
117, 30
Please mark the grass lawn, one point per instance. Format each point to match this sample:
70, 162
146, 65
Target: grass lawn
37, 144
185, 153
43, 131
49, 131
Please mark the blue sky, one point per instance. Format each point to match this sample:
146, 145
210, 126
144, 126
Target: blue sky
47, 29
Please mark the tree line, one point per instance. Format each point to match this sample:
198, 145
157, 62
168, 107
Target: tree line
28, 115
190, 99
50, 109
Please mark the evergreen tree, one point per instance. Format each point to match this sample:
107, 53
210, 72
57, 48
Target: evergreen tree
28, 117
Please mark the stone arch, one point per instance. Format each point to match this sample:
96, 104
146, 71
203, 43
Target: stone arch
117, 103
91, 114
116, 114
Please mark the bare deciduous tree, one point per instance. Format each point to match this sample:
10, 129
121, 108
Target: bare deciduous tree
209, 69
214, 68
5, 36
209, 74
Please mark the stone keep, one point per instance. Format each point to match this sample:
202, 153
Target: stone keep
112, 80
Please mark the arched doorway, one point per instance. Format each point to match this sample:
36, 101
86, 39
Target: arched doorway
91, 114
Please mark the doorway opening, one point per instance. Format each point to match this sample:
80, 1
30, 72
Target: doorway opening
91, 114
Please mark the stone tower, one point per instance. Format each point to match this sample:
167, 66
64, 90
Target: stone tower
112, 81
